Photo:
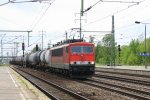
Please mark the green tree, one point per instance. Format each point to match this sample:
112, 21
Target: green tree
129, 53
107, 40
103, 50
148, 50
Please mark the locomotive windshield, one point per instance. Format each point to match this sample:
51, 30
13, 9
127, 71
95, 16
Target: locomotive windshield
82, 49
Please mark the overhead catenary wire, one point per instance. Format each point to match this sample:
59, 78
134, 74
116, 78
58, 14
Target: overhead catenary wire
109, 1
38, 22
33, 26
92, 6
132, 24
129, 25
9, 1
116, 12
37, 16
26, 1
12, 22
13, 39
119, 1
40, 17
13, 1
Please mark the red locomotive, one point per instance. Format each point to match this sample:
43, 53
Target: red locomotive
75, 58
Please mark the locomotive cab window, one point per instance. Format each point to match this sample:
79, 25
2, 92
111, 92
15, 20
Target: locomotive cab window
82, 49
76, 49
87, 49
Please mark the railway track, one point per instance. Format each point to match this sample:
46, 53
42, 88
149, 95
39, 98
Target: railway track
133, 76
52, 90
131, 84
87, 91
129, 72
124, 88
127, 91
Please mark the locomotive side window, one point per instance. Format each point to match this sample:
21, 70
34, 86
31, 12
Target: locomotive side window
82, 49
57, 52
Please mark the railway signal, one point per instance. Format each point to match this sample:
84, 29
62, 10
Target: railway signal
119, 51
23, 46
37, 47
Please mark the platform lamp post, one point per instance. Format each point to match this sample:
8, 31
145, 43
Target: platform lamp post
145, 51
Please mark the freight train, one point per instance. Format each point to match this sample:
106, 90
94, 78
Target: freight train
74, 58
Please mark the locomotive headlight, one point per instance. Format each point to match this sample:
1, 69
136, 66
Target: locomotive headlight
72, 62
92, 62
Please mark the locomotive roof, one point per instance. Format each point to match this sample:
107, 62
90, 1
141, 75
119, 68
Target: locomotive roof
64, 45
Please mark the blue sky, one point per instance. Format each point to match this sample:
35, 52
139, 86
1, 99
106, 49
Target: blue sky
62, 15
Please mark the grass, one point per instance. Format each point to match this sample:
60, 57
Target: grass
4, 65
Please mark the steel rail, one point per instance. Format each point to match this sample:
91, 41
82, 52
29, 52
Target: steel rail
125, 79
124, 73
71, 93
37, 86
118, 89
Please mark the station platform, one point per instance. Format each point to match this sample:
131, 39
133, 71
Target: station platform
14, 87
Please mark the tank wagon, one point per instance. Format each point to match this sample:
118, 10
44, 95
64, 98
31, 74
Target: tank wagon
74, 58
